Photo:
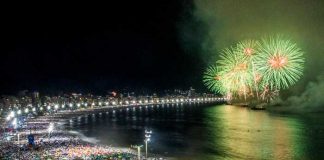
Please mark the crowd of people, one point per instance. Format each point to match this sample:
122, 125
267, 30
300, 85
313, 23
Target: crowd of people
62, 146
59, 144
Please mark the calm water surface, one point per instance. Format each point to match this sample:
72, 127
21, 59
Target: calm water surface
210, 132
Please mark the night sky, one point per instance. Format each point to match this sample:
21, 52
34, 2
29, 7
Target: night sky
97, 48
146, 45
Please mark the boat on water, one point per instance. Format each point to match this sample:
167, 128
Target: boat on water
252, 104
260, 106
239, 104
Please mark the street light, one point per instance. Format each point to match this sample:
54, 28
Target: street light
26, 110
18, 144
138, 147
14, 123
148, 132
147, 139
50, 130
12, 114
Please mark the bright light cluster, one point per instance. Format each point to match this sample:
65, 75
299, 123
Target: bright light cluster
255, 69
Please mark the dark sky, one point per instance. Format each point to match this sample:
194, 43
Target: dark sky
144, 45
96, 48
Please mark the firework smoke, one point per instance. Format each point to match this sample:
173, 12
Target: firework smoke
311, 100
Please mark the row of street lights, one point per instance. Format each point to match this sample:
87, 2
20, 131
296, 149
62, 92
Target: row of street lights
133, 102
146, 140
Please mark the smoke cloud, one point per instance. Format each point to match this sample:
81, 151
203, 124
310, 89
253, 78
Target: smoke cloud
212, 25
311, 100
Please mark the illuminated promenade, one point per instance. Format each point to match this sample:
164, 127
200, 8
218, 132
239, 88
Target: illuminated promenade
134, 105
99, 106
53, 140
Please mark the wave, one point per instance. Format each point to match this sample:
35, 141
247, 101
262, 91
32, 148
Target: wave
85, 138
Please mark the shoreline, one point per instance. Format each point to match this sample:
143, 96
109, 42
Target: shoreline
59, 144
63, 143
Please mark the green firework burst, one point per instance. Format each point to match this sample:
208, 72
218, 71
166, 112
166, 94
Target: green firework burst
236, 72
212, 79
256, 69
280, 62
247, 48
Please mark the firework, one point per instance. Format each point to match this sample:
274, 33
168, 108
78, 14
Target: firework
256, 69
212, 80
247, 48
236, 72
268, 95
280, 62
